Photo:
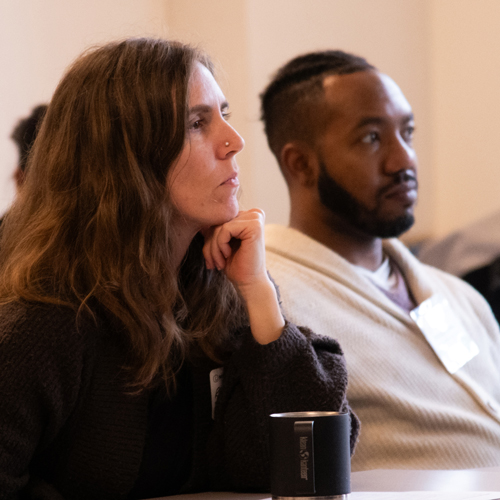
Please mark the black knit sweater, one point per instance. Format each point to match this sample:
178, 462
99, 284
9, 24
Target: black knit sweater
69, 427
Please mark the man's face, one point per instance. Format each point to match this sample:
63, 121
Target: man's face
366, 159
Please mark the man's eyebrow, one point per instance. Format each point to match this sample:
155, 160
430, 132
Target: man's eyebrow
409, 118
377, 120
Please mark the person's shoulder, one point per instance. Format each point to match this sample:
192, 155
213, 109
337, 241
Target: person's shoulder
274, 234
430, 277
287, 243
468, 248
44, 350
462, 293
449, 279
279, 243
284, 252
24, 313
37, 325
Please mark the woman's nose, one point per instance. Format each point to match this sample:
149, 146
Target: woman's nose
232, 142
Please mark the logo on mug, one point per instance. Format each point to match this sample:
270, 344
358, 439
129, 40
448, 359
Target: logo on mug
304, 458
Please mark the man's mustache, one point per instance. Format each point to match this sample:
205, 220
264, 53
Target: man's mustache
402, 177
405, 176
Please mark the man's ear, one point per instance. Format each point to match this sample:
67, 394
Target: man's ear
298, 164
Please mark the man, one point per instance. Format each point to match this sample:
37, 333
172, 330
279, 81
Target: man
24, 135
425, 385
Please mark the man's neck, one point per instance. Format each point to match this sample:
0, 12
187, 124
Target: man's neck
356, 247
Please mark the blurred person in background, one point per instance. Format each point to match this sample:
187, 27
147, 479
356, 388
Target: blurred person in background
24, 135
473, 254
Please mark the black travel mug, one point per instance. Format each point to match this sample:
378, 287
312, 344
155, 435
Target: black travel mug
310, 455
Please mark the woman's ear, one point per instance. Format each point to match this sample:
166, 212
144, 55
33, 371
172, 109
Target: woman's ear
298, 163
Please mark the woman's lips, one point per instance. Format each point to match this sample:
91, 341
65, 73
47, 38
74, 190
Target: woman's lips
232, 181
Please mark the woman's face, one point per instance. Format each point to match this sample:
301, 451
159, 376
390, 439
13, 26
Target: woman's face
204, 180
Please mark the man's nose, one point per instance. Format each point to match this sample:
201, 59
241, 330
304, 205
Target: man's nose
400, 156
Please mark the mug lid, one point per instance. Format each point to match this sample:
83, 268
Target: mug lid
300, 414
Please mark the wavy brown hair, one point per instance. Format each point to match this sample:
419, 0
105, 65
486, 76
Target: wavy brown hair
91, 226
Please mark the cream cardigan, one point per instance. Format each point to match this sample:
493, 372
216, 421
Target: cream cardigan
413, 413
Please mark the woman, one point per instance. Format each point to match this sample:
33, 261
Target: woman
128, 274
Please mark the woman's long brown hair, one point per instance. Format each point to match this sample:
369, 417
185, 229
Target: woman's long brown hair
92, 223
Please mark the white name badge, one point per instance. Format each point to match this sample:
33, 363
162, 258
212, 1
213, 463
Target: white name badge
215, 384
444, 332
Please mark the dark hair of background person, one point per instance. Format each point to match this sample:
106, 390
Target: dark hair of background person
92, 224
291, 105
25, 132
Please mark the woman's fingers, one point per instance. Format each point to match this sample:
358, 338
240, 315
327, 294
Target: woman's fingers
222, 242
207, 254
215, 251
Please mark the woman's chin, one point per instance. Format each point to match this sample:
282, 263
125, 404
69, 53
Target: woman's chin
222, 218
228, 218
233, 209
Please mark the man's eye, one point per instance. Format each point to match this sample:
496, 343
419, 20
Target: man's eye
408, 133
226, 115
370, 138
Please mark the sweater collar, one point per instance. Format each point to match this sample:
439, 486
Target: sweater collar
294, 245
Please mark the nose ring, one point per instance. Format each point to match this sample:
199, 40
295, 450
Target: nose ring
227, 144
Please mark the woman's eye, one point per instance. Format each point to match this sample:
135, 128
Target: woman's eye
226, 115
197, 124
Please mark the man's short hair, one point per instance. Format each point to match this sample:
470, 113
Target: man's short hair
289, 104
25, 132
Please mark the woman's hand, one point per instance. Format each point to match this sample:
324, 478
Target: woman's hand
237, 248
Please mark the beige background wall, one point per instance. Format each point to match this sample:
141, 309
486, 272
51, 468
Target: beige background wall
443, 54
466, 110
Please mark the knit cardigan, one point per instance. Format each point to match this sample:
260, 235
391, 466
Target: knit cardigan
414, 413
70, 427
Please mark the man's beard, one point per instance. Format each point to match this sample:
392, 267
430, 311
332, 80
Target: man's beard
340, 202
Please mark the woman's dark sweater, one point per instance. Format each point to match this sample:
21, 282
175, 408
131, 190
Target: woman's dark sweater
70, 427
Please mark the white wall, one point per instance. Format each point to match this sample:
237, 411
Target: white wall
443, 54
39, 39
221, 29
391, 34
466, 108
258, 36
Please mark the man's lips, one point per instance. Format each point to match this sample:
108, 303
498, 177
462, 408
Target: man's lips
400, 187
404, 190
